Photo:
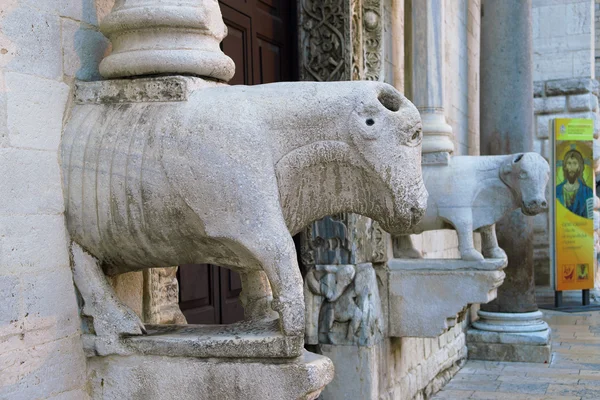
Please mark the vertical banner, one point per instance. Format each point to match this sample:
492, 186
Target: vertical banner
573, 203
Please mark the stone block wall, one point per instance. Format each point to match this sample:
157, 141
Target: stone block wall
560, 98
418, 367
44, 46
563, 39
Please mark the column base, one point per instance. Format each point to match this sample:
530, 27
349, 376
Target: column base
515, 337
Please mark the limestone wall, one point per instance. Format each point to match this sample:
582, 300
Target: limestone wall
563, 39
418, 367
44, 44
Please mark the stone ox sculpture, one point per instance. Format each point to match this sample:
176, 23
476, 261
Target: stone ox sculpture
473, 193
226, 177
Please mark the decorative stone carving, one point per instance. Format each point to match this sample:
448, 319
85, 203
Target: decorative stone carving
156, 184
324, 40
373, 39
342, 305
343, 239
161, 297
152, 37
425, 295
473, 193
341, 40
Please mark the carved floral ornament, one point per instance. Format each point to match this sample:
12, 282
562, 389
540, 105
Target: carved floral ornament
341, 40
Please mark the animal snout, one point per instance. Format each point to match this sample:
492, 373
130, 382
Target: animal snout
420, 207
536, 206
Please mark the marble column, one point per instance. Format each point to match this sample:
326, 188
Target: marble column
427, 72
510, 328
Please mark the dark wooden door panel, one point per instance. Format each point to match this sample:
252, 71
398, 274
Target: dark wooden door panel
231, 287
198, 293
238, 44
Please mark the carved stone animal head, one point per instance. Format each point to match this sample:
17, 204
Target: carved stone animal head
387, 132
527, 175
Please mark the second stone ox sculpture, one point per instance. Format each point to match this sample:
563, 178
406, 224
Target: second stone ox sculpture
227, 177
473, 193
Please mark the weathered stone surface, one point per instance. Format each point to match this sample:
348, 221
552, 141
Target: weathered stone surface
571, 86
158, 377
356, 372
161, 297
473, 193
425, 295
520, 337
32, 39
342, 305
157, 89
343, 239
514, 352
35, 108
236, 209
547, 105
246, 339
165, 37
538, 88
583, 102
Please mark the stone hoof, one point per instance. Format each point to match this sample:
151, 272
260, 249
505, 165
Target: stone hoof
471, 255
495, 252
410, 253
291, 317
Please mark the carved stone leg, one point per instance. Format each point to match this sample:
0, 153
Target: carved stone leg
489, 243
462, 220
256, 295
404, 248
110, 316
280, 265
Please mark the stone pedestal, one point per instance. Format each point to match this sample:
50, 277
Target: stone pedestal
517, 337
154, 377
425, 295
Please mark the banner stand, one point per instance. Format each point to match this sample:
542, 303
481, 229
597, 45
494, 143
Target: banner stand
571, 217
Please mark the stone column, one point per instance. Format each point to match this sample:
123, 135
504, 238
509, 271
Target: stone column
507, 127
427, 70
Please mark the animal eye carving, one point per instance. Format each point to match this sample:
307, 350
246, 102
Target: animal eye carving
415, 135
523, 175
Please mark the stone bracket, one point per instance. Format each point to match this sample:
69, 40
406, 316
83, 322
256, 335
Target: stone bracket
425, 295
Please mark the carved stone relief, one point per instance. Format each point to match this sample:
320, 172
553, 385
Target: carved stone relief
161, 297
342, 305
341, 40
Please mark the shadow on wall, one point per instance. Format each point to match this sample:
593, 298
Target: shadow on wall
88, 45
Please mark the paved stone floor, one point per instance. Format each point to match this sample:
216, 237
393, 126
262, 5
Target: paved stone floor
573, 373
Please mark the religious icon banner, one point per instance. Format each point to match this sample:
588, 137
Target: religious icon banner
573, 203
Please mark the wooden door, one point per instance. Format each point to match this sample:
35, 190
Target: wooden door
261, 43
